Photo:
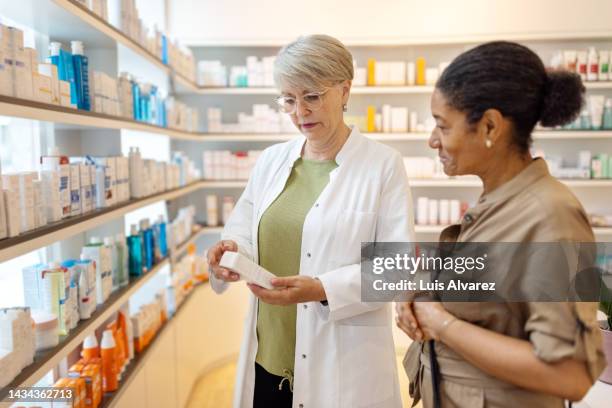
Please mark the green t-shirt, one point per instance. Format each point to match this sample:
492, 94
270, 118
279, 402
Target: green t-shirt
280, 243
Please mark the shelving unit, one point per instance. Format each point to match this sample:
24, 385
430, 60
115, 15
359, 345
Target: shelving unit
65, 20
46, 360
24, 243
111, 399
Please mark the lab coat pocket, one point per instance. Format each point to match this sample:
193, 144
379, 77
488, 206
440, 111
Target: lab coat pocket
367, 366
352, 228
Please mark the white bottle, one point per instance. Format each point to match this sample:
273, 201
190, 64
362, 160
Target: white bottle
212, 212
136, 173
592, 65
109, 243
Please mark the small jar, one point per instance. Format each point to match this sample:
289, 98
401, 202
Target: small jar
46, 330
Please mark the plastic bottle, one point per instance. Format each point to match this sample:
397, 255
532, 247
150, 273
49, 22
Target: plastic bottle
134, 243
420, 71
109, 242
81, 74
607, 115
122, 255
109, 365
147, 244
90, 347
161, 237
592, 65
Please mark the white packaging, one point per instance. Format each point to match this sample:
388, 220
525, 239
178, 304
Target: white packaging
413, 122
360, 77
61, 164
604, 66
101, 257
75, 190
444, 212
248, 270
86, 188
422, 210
228, 206
431, 75
64, 90
3, 226
386, 118
13, 214
397, 73
52, 204
455, 211
410, 74
41, 86
433, 212
212, 211
399, 119
32, 289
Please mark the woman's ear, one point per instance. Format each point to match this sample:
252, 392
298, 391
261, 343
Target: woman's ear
346, 90
491, 125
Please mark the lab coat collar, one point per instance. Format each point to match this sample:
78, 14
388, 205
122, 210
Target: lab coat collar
348, 147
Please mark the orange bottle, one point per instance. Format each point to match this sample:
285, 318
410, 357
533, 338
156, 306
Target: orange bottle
90, 347
109, 364
420, 71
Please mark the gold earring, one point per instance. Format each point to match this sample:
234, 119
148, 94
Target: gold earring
488, 143
344, 108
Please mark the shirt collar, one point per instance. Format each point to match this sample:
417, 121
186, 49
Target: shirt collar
536, 170
348, 147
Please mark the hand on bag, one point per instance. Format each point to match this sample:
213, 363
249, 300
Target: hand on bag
214, 256
290, 291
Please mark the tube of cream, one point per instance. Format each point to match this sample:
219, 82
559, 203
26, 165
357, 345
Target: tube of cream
596, 106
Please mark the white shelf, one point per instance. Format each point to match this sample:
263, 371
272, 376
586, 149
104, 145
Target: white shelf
46, 361
22, 108
602, 230
406, 41
436, 229
211, 184
571, 134
473, 182
358, 90
38, 238
598, 85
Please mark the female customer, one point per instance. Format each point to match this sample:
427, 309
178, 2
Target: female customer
486, 104
308, 205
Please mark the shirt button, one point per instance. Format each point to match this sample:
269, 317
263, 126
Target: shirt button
482, 200
317, 204
308, 254
468, 218
305, 306
303, 356
301, 405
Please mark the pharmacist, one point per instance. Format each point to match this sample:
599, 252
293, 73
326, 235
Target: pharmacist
307, 207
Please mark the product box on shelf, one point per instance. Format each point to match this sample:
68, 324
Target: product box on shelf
13, 214
17, 342
55, 163
102, 257
75, 190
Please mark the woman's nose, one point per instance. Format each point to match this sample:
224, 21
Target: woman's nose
434, 140
301, 109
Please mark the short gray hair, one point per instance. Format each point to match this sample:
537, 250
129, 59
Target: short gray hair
313, 62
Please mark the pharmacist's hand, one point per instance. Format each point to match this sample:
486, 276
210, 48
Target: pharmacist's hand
214, 256
432, 318
406, 320
290, 291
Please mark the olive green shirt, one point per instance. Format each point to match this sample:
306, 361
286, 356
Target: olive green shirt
279, 245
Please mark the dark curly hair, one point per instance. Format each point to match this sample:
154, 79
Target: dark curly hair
511, 78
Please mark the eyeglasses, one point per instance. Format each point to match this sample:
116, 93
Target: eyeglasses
311, 101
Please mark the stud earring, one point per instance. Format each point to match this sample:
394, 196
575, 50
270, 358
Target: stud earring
344, 108
488, 143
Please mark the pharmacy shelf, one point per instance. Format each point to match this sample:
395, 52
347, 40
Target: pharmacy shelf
405, 41
396, 137
23, 108
358, 90
212, 184
47, 360
436, 229
66, 20
202, 231
598, 85
111, 399
472, 182
47, 235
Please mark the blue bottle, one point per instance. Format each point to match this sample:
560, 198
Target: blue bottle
164, 49
147, 243
161, 241
136, 100
81, 74
134, 244
65, 68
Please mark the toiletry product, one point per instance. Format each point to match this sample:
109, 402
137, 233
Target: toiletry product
570, 60
596, 107
109, 243
46, 330
53, 284
607, 115
582, 65
422, 210
444, 212
604, 66
161, 241
135, 252
147, 244
65, 68
420, 71
455, 211
371, 72
592, 65
86, 290
386, 118
371, 119
585, 119
227, 208
410, 74
99, 254
122, 256
247, 269
81, 75
212, 212
75, 190
56, 163
109, 371
432, 212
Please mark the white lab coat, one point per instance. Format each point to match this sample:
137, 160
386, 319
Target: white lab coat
344, 352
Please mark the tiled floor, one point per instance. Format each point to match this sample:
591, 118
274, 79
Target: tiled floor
214, 390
